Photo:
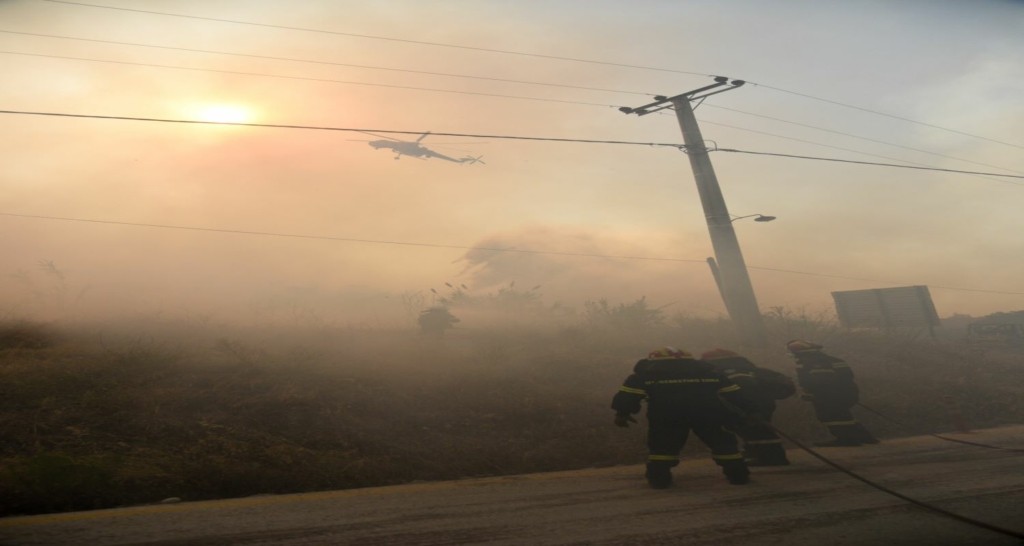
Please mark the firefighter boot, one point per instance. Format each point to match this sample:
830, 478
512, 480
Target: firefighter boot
864, 435
837, 442
846, 435
768, 455
659, 475
736, 472
765, 453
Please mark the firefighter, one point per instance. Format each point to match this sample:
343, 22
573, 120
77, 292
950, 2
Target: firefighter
761, 446
827, 382
682, 394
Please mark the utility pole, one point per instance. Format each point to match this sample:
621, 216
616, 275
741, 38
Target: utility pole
732, 278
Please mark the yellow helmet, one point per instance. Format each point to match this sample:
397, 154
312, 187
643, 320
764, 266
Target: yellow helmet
799, 346
668, 353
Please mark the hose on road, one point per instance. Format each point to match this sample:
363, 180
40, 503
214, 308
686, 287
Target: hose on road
939, 436
922, 504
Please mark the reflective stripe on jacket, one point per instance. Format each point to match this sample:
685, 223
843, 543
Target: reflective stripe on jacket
680, 390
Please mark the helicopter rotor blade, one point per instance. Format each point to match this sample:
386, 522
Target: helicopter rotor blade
381, 136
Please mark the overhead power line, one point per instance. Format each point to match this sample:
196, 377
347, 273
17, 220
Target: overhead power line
383, 38
470, 135
462, 76
872, 163
496, 95
894, 283
323, 80
822, 145
343, 129
540, 99
534, 55
329, 63
347, 239
304, 78
892, 116
463, 247
876, 141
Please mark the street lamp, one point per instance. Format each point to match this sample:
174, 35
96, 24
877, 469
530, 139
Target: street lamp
759, 218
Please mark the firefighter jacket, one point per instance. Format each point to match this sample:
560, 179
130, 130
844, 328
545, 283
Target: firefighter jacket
825, 378
681, 392
760, 385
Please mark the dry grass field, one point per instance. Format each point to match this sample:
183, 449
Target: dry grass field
106, 415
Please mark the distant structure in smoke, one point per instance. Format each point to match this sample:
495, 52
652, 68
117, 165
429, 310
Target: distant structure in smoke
435, 320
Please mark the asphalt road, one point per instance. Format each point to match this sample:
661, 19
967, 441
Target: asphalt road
805, 503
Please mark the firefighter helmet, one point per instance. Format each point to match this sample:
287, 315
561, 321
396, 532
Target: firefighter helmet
668, 353
718, 354
799, 346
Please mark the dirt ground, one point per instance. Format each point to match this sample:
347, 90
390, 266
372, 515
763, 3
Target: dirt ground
805, 503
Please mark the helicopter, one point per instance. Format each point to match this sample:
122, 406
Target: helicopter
413, 148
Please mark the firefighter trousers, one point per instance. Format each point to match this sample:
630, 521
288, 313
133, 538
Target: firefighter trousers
841, 423
761, 446
666, 440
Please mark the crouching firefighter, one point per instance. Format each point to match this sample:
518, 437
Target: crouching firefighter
761, 446
682, 394
827, 382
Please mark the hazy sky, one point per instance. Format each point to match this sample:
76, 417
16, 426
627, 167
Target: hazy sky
925, 83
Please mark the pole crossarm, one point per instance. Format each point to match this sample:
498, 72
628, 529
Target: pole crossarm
662, 102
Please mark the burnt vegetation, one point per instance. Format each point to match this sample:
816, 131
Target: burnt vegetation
113, 415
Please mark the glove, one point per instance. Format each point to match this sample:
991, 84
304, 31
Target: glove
806, 397
623, 420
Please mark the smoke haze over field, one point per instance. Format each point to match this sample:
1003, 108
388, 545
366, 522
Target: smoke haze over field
203, 218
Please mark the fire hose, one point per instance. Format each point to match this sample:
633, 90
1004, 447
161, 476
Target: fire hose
922, 504
939, 436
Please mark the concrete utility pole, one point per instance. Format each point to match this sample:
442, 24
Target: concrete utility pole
732, 277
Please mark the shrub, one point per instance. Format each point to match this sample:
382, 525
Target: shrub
223, 412
26, 335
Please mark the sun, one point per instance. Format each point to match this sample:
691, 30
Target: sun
224, 113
